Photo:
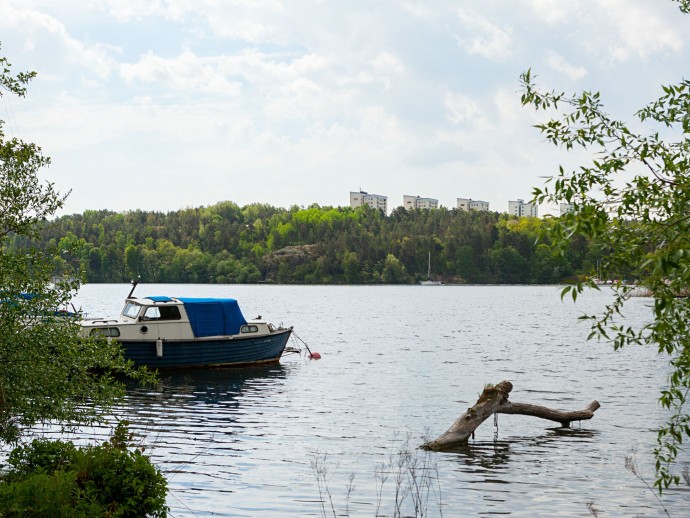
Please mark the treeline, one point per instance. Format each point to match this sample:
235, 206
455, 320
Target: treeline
225, 243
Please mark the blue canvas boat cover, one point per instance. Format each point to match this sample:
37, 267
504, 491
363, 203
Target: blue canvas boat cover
213, 317
159, 298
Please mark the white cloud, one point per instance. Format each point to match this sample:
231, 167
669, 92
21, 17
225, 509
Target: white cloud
614, 30
418, 10
124, 11
553, 11
484, 38
256, 21
559, 64
460, 108
386, 66
642, 32
187, 72
387, 62
48, 39
315, 97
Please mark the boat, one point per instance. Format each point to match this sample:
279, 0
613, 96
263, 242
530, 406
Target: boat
162, 332
428, 281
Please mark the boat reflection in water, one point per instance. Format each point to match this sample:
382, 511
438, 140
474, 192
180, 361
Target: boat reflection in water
200, 426
198, 394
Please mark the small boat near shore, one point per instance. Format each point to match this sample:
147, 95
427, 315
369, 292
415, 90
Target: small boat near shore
163, 332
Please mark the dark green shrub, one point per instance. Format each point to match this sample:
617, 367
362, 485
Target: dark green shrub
46, 495
122, 479
54, 478
41, 456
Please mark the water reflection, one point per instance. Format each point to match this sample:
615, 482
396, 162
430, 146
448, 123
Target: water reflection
211, 386
485, 455
199, 425
201, 402
493, 455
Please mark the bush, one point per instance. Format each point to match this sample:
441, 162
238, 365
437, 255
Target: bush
41, 456
46, 495
54, 478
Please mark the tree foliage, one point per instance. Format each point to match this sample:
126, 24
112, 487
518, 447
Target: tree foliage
47, 372
225, 243
633, 199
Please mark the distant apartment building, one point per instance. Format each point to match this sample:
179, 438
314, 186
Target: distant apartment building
376, 201
468, 204
565, 208
519, 208
416, 202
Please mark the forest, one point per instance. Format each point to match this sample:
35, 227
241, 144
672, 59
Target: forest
226, 243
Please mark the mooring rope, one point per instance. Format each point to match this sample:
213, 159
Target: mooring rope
315, 356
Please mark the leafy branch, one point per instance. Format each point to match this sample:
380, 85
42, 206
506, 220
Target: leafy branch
633, 198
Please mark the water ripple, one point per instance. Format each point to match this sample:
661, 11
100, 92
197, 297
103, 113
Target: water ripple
400, 363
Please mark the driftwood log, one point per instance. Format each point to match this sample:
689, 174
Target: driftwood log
494, 400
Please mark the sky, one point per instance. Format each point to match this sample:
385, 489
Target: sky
168, 104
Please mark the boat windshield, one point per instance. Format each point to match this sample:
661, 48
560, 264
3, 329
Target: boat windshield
131, 310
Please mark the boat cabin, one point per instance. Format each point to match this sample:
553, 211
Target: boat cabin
169, 318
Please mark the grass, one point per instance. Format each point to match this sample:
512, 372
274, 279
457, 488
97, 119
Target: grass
411, 476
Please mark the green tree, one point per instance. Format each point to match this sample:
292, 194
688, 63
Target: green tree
134, 261
351, 266
393, 271
47, 372
643, 221
508, 266
195, 245
547, 266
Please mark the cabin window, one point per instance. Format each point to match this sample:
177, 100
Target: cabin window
249, 329
131, 310
162, 313
107, 332
170, 313
152, 313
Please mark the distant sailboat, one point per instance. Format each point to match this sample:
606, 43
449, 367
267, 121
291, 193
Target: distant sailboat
428, 281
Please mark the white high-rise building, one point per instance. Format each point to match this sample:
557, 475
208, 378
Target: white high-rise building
468, 204
416, 202
565, 208
376, 201
519, 208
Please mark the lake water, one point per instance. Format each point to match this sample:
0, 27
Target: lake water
400, 363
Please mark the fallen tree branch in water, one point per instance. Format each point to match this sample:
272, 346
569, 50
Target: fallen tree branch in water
494, 400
